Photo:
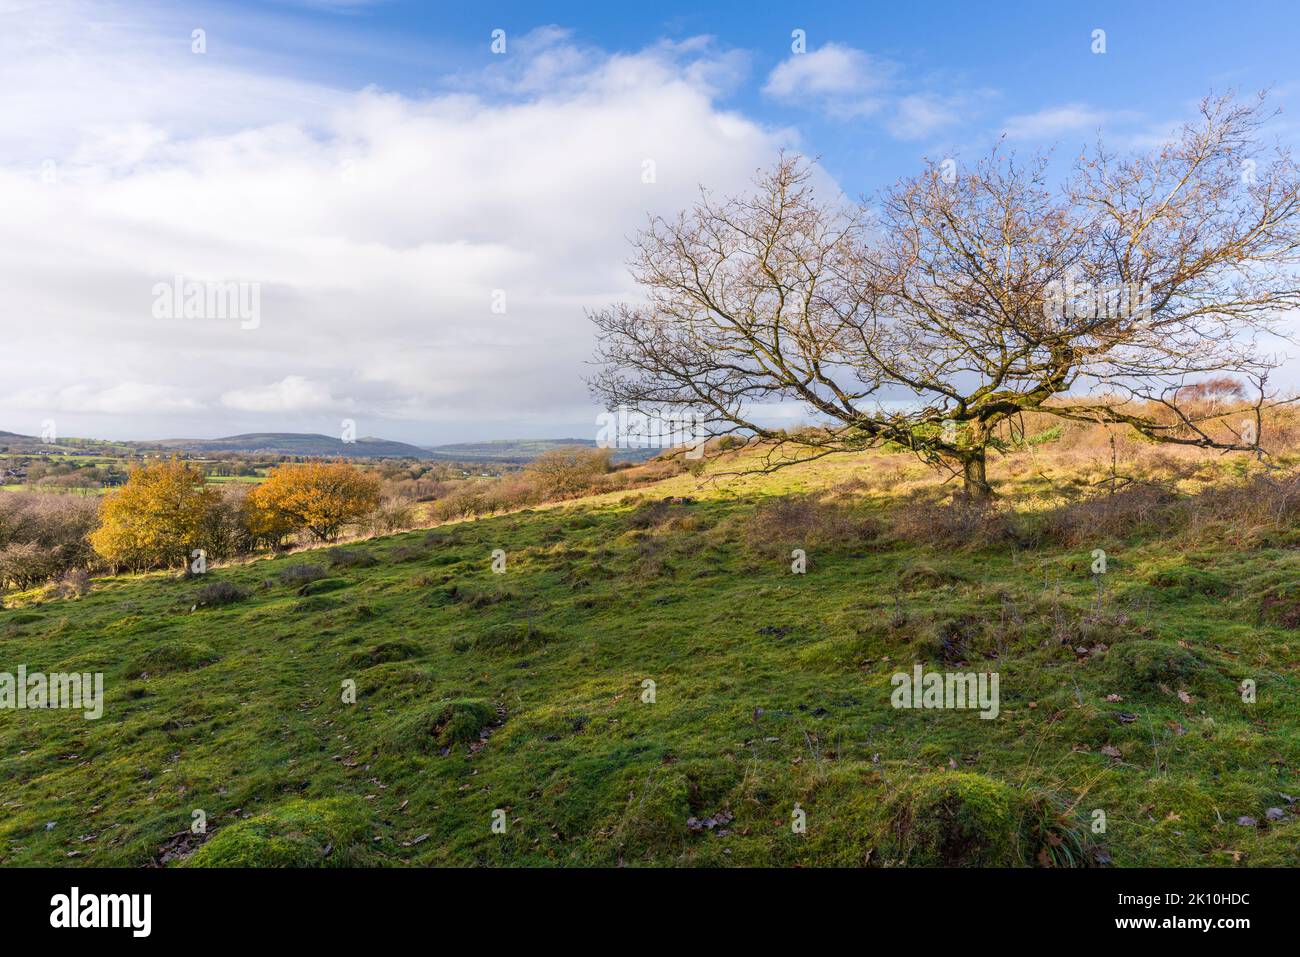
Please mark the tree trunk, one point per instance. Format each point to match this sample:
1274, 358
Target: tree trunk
974, 477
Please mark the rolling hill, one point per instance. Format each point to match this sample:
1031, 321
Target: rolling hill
292, 443
648, 682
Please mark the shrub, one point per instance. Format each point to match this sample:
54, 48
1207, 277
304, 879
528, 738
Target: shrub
568, 471
219, 593
1142, 508
350, 558
26, 564
805, 522
392, 514
43, 535
75, 583
296, 575
963, 523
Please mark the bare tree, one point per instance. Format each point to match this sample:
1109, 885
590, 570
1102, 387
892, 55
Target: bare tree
973, 295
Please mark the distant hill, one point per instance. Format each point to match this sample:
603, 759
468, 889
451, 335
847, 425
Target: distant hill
518, 451
501, 452
293, 443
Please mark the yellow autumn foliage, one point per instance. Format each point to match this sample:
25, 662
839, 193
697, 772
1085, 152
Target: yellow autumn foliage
157, 518
320, 497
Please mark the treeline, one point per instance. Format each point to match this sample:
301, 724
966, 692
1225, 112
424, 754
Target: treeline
166, 511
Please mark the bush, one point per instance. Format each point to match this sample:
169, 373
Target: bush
805, 522
1142, 508
963, 523
350, 558
392, 514
296, 575
26, 564
219, 593
43, 535
568, 471
75, 583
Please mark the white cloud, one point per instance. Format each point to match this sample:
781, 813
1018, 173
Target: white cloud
846, 84
293, 393
842, 80
920, 115
376, 225
1057, 120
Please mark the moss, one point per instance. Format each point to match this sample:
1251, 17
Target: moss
957, 819
1183, 581
327, 833
1141, 664
315, 604
383, 652
323, 585
512, 636
172, 656
434, 728
773, 690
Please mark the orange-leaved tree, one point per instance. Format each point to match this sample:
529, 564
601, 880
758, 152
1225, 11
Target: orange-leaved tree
320, 497
157, 518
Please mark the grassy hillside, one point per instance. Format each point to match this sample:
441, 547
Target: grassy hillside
523, 691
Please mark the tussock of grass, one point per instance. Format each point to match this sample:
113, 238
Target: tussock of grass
171, 656
385, 651
328, 833
439, 726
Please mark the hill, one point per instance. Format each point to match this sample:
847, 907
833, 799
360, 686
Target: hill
649, 683
521, 451
293, 443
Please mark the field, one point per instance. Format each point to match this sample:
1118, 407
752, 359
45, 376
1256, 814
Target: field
504, 718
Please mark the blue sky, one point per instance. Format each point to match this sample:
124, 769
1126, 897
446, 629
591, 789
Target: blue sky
981, 63
378, 174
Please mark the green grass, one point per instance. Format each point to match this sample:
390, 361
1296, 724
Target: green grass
523, 693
